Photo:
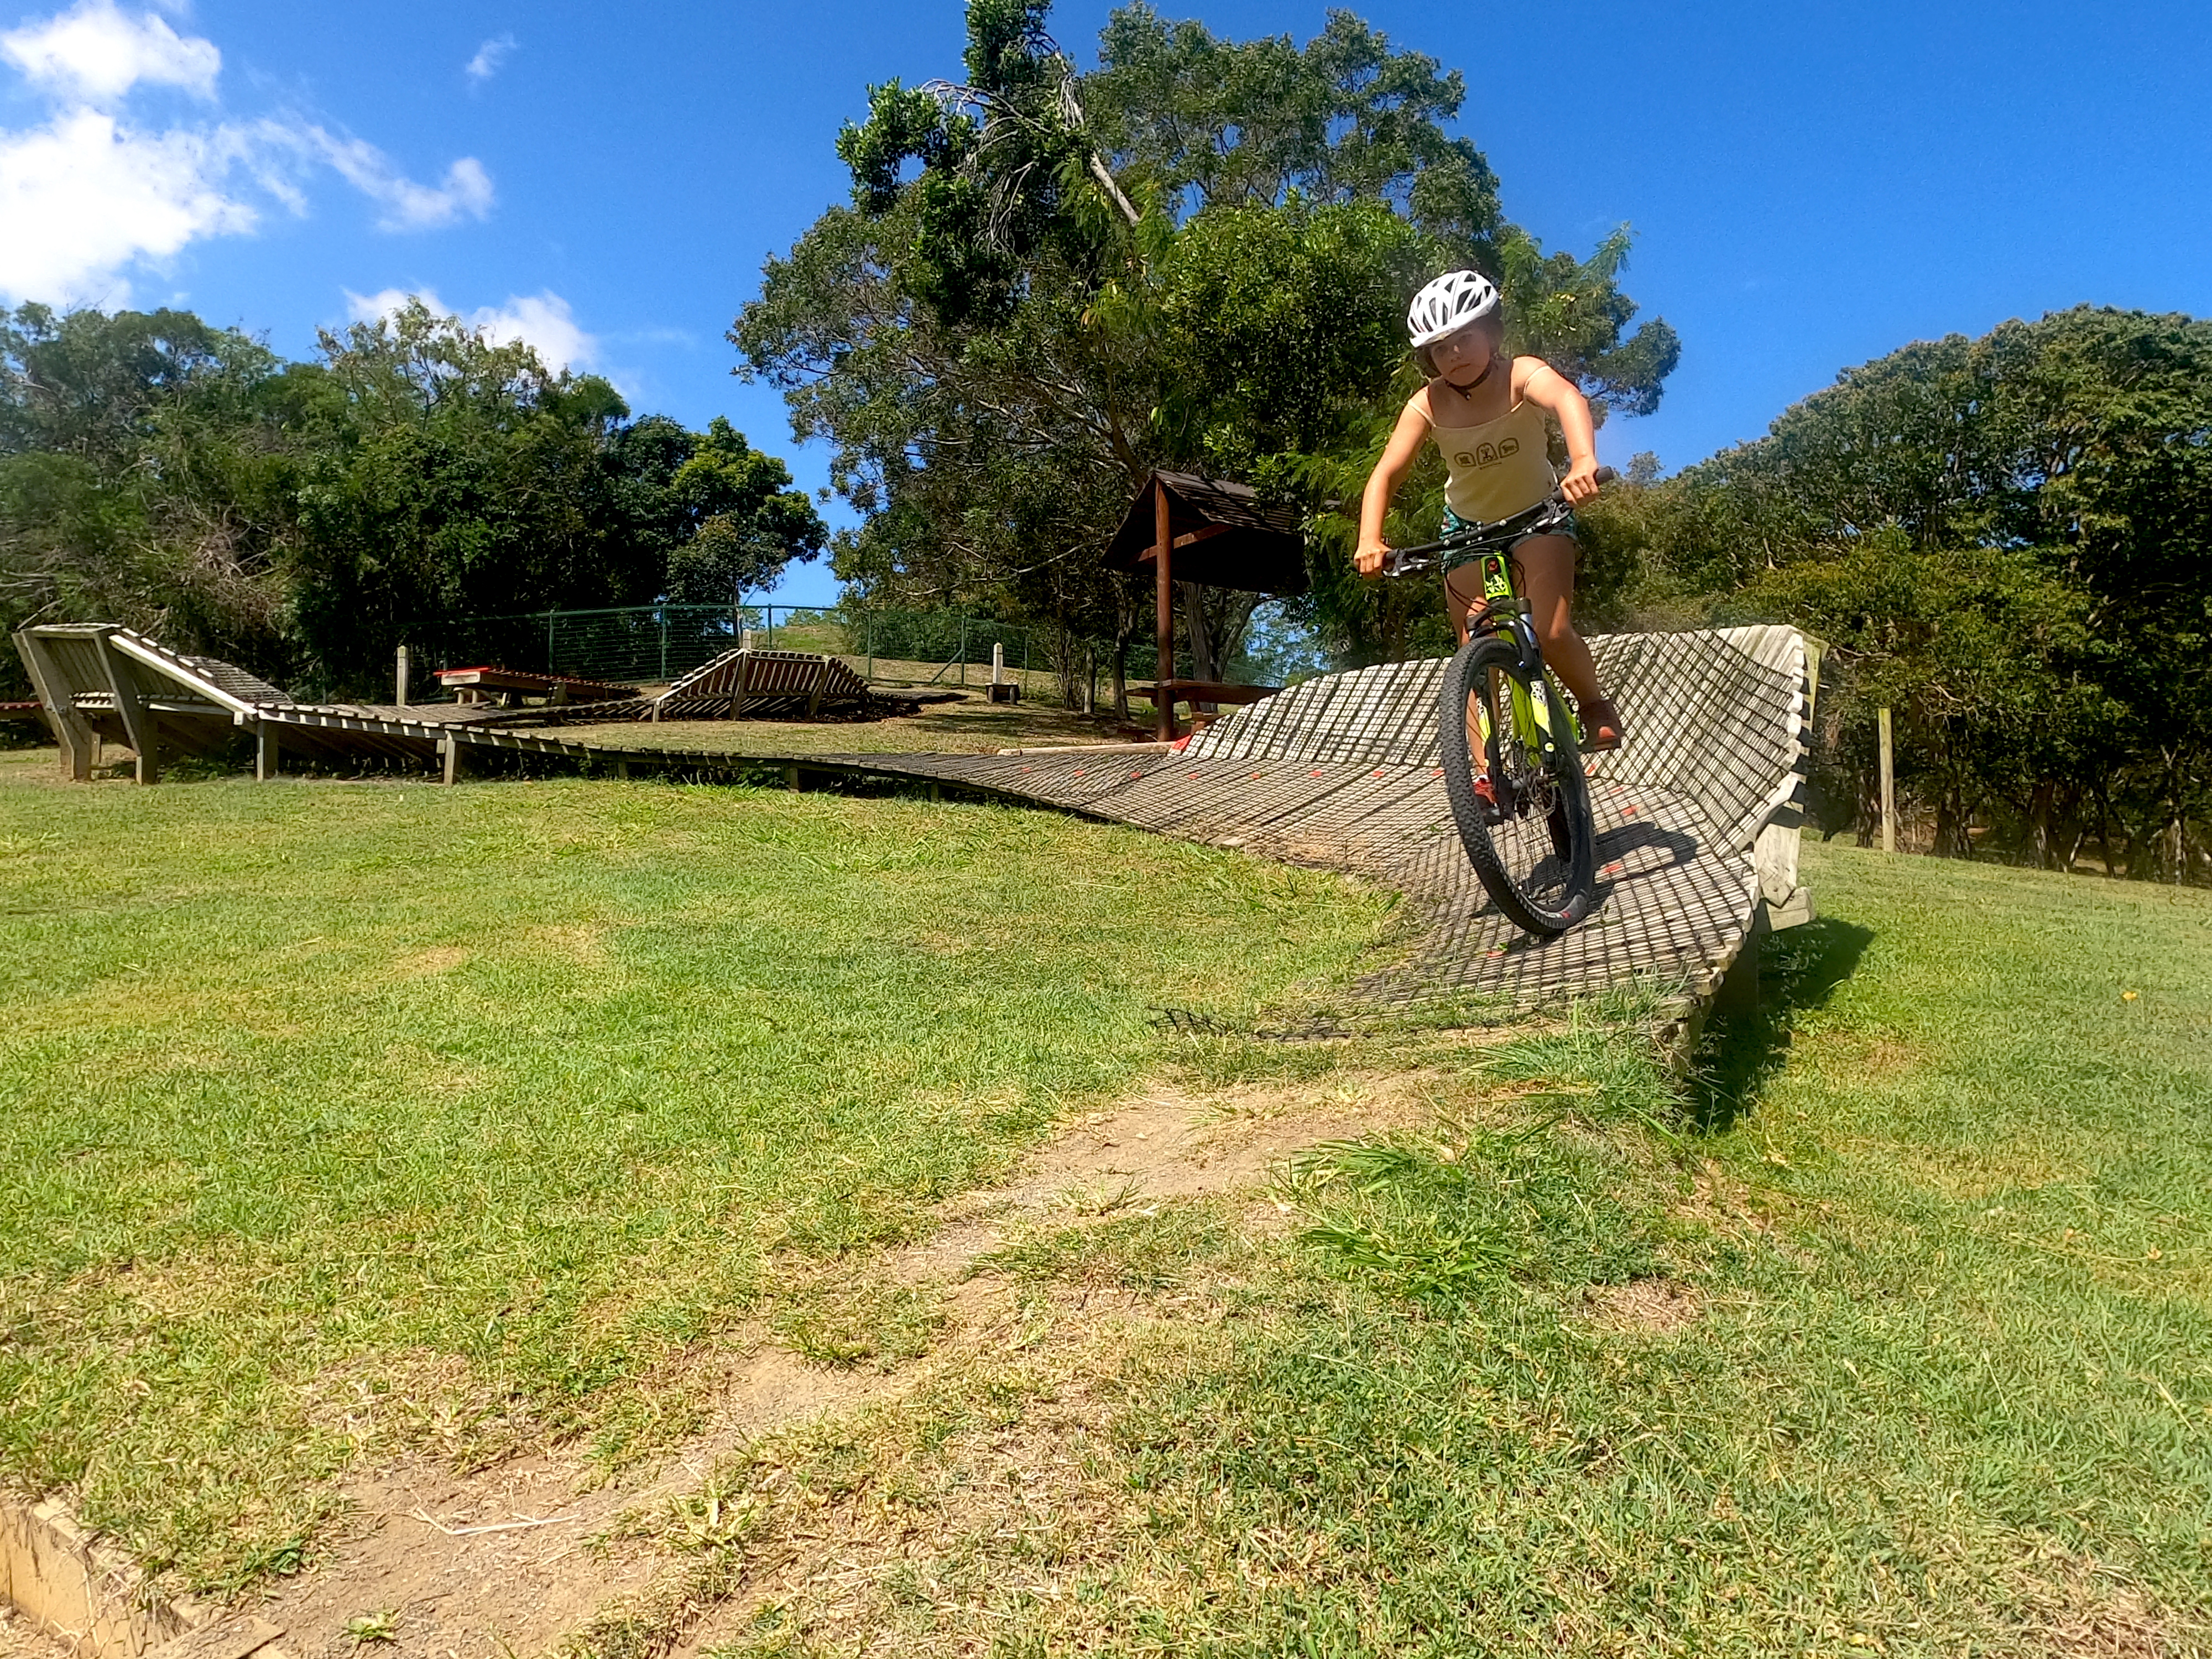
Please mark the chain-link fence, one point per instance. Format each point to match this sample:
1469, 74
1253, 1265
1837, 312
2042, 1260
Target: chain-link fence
654, 645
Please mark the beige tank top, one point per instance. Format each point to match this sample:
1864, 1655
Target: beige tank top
1497, 468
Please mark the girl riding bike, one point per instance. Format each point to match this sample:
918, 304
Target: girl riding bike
1490, 426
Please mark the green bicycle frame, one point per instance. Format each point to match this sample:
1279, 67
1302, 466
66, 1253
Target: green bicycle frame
1532, 722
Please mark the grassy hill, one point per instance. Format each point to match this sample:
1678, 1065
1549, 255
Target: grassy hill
500, 1109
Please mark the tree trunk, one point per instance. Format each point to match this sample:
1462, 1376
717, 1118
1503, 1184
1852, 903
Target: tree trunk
1952, 840
2040, 842
1202, 665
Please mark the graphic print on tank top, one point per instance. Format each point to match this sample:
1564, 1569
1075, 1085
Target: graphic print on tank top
1499, 468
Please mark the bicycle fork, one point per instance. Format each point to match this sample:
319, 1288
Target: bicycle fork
1505, 611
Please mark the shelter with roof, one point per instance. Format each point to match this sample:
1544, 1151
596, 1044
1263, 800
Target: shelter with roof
1206, 532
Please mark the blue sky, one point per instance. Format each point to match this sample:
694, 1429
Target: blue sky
1811, 184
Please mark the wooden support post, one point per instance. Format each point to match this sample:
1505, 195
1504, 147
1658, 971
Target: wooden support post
268, 758
814, 697
1164, 609
791, 777
621, 770
1888, 784
739, 698
456, 767
130, 704
400, 674
79, 743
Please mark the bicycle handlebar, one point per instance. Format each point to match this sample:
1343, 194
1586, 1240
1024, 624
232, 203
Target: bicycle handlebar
1406, 560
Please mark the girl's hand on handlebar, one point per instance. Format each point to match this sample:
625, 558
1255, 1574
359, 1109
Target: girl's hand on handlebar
1580, 484
1369, 560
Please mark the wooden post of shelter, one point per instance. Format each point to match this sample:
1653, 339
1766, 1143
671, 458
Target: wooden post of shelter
399, 677
1164, 670
1889, 782
268, 758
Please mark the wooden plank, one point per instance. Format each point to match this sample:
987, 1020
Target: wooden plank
71, 729
1205, 691
130, 704
267, 756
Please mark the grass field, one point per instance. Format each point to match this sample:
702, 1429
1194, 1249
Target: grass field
1903, 1348
345, 1119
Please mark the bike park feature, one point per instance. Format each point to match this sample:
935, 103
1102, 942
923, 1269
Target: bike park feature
1697, 814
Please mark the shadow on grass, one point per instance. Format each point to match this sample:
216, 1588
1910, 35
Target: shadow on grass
1742, 1049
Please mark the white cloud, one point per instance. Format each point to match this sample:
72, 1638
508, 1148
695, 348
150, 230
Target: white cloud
466, 193
83, 197
89, 194
95, 54
545, 321
489, 56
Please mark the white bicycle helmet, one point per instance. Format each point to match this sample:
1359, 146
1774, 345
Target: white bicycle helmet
1449, 303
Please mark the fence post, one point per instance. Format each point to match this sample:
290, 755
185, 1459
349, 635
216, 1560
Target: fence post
548, 639
963, 651
872, 648
1888, 784
401, 676
664, 645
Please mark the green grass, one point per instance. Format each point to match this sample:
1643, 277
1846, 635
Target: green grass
1952, 1390
339, 1119
1893, 1338
343, 1119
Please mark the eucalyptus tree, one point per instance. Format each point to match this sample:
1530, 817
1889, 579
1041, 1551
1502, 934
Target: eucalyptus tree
2009, 540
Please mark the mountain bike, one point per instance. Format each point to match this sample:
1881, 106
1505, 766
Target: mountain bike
1523, 812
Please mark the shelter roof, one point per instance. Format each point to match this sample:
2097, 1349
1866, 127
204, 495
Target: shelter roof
1224, 536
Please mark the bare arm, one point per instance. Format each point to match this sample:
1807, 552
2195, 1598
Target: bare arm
1544, 386
1398, 457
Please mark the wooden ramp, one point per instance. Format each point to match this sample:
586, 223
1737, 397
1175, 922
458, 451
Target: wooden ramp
785, 684
98, 682
1697, 815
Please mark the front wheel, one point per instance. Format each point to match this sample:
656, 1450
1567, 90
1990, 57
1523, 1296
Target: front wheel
1531, 840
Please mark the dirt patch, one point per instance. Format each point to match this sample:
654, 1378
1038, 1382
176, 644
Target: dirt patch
21, 1639
1646, 1307
507, 1561
1170, 1143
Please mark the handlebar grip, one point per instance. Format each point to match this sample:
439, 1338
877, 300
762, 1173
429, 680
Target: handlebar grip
1606, 475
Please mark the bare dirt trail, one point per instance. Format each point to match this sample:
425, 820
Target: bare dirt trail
509, 1560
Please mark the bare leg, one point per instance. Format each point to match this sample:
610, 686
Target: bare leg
1463, 593
1544, 571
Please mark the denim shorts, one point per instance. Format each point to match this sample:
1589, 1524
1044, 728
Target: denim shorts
1558, 520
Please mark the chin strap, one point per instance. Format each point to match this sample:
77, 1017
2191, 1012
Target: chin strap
1478, 380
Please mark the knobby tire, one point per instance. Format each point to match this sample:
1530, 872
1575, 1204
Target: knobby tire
1541, 894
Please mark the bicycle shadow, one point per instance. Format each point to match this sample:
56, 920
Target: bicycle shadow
1740, 1051
1617, 845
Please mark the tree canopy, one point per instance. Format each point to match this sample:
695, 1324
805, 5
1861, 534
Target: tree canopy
2008, 540
302, 519
1048, 282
